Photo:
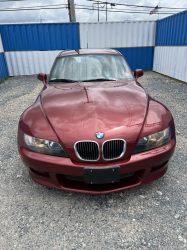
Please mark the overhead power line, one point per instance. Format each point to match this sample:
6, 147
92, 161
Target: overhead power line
79, 7
125, 9
132, 5
40, 6
84, 8
2, 1
48, 8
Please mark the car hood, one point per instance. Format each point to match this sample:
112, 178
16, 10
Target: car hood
76, 111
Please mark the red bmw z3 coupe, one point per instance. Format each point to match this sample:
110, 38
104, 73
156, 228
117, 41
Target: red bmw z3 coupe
93, 128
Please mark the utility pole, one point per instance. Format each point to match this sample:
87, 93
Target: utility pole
98, 12
98, 5
106, 11
71, 8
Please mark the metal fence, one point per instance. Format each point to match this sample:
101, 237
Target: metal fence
171, 46
32, 48
161, 46
134, 39
3, 65
125, 34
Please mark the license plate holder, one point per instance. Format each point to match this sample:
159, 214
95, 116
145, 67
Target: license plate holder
101, 175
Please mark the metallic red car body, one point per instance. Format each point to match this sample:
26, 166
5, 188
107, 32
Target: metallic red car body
71, 112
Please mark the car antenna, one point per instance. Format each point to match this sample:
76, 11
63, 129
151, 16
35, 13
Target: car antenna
87, 39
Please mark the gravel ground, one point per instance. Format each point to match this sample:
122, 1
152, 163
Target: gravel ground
153, 216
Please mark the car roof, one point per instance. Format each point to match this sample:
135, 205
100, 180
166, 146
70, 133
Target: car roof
87, 51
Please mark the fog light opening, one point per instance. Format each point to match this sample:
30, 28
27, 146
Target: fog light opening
157, 167
40, 172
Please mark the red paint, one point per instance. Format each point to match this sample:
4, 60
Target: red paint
42, 77
71, 112
138, 73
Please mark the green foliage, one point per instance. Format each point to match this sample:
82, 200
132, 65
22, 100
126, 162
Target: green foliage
3, 79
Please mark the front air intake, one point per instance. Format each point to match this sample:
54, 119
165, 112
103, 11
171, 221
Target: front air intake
113, 149
87, 150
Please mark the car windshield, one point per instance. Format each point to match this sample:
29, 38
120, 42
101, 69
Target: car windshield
95, 67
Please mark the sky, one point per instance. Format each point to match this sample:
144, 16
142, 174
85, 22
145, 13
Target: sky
82, 15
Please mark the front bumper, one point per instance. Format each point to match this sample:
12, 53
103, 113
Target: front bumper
51, 171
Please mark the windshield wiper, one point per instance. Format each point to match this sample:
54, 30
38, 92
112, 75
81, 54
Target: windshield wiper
98, 80
62, 80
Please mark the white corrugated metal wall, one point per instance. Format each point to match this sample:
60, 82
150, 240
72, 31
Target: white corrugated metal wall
117, 34
135, 40
30, 62
171, 61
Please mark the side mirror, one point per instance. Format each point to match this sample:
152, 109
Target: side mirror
42, 77
138, 73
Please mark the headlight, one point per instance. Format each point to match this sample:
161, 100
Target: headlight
153, 141
44, 146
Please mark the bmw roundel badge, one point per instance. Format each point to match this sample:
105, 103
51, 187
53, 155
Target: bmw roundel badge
99, 135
